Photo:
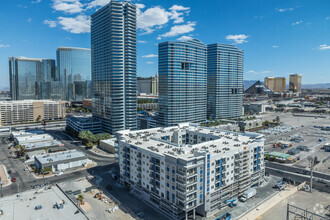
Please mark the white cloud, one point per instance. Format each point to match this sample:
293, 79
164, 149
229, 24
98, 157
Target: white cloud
29, 19
4, 45
152, 18
297, 22
179, 29
327, 18
138, 5
284, 9
324, 47
79, 24
177, 12
150, 56
36, 1
97, 3
185, 38
155, 17
50, 23
238, 39
142, 41
275, 46
68, 6
259, 73
149, 62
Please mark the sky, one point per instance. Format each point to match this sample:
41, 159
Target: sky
279, 37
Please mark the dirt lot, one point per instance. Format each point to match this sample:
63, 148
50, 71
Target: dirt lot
313, 202
310, 135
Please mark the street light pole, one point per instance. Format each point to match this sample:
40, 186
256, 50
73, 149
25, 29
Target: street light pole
1, 187
312, 163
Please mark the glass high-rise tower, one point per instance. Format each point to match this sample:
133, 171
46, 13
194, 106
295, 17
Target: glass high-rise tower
74, 72
182, 82
224, 81
113, 44
27, 74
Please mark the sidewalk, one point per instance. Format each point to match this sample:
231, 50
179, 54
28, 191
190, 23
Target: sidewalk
5, 178
265, 206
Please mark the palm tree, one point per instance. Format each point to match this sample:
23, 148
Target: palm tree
81, 199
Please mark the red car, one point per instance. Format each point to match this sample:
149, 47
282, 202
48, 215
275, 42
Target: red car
13, 179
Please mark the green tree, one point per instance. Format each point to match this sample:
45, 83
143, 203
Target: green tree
81, 198
46, 149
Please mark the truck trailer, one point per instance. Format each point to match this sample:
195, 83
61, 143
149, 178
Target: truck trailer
248, 194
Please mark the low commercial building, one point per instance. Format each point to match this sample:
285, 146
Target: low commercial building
15, 207
189, 168
109, 145
74, 125
255, 108
61, 161
145, 122
43, 145
32, 139
22, 111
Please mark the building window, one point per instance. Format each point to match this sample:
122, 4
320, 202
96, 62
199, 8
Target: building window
168, 169
201, 188
201, 180
173, 179
184, 66
201, 172
167, 177
167, 184
173, 187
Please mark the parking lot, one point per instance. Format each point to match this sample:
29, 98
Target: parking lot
264, 192
304, 127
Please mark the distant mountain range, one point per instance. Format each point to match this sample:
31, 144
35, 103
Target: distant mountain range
248, 83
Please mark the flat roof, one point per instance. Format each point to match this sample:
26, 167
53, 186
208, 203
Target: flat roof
33, 138
279, 154
23, 207
84, 119
60, 156
221, 140
44, 144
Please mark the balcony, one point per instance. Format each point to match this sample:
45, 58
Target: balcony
182, 181
181, 173
191, 173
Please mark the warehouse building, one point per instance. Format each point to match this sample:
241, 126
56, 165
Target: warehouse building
188, 168
61, 161
32, 138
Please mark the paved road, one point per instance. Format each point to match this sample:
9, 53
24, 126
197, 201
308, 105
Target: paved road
25, 180
296, 170
299, 178
99, 159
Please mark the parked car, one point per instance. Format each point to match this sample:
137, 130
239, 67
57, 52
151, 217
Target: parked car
38, 207
9, 172
13, 179
139, 213
280, 171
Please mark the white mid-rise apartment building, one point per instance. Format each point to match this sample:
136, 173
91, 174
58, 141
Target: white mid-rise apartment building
21, 111
189, 168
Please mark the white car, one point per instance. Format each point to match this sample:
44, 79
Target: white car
59, 173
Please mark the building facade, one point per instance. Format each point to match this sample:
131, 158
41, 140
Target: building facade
74, 125
276, 84
25, 75
188, 168
224, 81
144, 85
182, 82
12, 112
295, 83
113, 42
74, 72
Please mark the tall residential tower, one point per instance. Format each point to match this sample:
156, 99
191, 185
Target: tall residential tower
113, 44
182, 82
224, 81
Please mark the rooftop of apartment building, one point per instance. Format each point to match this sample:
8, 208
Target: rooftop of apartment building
165, 141
61, 156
